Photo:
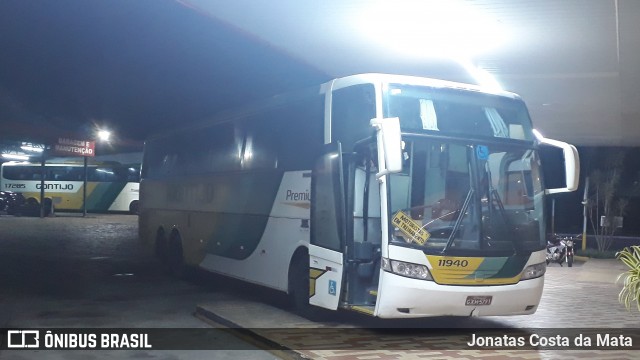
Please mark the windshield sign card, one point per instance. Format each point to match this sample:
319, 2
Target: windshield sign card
410, 228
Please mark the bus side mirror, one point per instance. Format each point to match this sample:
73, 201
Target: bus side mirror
571, 165
390, 138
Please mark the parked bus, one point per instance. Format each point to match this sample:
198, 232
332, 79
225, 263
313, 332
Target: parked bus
389, 195
110, 187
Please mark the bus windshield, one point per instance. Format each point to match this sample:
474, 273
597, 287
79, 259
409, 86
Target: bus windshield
462, 198
458, 112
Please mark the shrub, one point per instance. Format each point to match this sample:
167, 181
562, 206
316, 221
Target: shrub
630, 293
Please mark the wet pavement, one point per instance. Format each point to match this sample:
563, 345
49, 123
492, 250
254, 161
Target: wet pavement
578, 300
70, 271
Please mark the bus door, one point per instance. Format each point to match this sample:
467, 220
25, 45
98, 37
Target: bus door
328, 229
364, 233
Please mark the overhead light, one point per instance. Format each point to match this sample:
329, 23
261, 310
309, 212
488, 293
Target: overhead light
31, 148
103, 135
15, 157
421, 28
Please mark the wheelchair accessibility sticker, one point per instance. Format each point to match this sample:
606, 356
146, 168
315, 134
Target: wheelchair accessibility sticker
332, 287
482, 152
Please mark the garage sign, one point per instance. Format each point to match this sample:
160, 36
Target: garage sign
71, 147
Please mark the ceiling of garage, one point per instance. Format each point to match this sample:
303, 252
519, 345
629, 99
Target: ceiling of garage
149, 65
575, 62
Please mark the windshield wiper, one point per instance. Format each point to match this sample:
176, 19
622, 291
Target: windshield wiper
456, 226
494, 195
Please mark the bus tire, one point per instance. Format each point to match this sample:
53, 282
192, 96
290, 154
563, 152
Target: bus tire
48, 207
299, 288
134, 207
31, 207
175, 257
161, 246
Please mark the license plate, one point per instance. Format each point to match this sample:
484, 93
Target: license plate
478, 300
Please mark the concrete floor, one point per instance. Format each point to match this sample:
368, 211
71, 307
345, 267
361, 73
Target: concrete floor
69, 271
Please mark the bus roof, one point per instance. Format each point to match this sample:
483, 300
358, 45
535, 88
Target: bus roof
413, 80
231, 114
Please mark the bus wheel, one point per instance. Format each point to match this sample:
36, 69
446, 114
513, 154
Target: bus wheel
175, 259
161, 246
32, 207
134, 207
48, 207
299, 288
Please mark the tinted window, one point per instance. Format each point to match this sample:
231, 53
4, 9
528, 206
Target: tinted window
287, 136
300, 133
459, 112
73, 173
351, 114
20, 172
261, 144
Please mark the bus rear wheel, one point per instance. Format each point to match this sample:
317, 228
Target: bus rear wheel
134, 207
161, 247
175, 264
48, 207
175, 258
32, 207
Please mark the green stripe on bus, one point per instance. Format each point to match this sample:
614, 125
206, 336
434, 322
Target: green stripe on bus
103, 195
512, 267
237, 234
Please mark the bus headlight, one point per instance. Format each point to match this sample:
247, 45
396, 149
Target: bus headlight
411, 270
534, 271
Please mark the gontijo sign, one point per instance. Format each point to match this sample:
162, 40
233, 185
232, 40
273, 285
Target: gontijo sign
75, 147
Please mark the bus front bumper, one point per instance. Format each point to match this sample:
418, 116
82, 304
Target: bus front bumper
403, 297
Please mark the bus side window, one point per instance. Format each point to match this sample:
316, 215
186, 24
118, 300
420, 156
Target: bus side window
91, 174
77, 173
223, 148
155, 153
260, 147
119, 173
298, 130
133, 174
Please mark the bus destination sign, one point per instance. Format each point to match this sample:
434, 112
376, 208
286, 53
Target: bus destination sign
72, 147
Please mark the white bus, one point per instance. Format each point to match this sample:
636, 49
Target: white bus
389, 195
110, 187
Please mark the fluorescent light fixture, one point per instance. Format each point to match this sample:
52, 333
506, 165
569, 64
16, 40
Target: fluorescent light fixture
425, 28
31, 148
15, 157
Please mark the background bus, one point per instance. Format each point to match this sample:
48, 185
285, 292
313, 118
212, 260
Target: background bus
110, 186
393, 196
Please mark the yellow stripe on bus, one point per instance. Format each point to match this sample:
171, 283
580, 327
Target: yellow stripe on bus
456, 270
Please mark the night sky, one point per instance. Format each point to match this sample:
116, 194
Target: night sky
138, 67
